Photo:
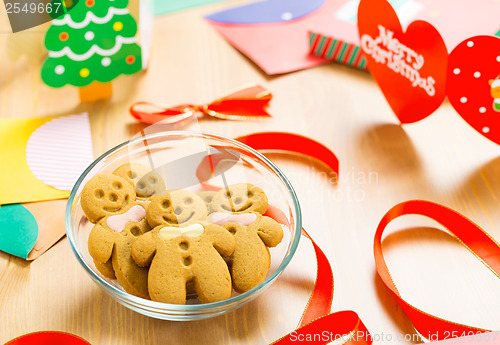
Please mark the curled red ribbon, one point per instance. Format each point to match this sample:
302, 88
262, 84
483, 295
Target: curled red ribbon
269, 141
247, 102
282, 141
470, 235
317, 325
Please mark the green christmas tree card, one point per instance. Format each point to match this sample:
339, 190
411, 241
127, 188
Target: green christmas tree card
90, 45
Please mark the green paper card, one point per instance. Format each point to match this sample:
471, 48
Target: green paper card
18, 230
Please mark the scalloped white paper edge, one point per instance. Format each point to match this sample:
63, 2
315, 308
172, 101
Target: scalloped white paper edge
60, 150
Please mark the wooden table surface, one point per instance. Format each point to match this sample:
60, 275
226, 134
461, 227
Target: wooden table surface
440, 159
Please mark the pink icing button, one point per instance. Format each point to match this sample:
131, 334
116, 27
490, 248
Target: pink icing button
118, 222
221, 218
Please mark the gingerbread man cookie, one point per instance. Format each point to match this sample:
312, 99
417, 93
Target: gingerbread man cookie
110, 201
146, 181
253, 234
106, 195
178, 255
239, 198
111, 241
179, 207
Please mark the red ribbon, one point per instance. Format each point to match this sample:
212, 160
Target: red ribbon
269, 141
281, 141
48, 338
317, 325
242, 104
470, 235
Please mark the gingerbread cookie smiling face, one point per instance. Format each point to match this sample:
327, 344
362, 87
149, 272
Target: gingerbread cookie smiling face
239, 198
146, 181
106, 195
179, 207
178, 255
188, 206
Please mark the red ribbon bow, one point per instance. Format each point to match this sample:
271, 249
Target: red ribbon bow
244, 103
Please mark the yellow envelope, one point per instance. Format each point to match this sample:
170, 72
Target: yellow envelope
50, 153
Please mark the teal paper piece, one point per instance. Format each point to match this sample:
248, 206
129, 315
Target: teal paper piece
18, 230
169, 6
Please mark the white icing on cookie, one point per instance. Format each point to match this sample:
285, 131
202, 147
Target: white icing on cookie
221, 218
118, 222
169, 232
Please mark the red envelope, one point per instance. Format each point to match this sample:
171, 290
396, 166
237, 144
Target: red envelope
277, 47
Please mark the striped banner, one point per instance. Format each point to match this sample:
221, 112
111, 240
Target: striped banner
337, 50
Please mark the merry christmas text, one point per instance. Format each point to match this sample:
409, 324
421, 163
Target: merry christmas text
386, 49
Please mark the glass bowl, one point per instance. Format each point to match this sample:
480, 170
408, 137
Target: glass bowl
166, 152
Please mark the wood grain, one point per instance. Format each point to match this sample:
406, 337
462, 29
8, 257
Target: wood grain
382, 163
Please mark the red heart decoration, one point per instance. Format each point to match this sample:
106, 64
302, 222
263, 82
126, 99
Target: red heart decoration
409, 67
473, 85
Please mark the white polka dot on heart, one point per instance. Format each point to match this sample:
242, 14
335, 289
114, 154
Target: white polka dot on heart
463, 99
456, 71
470, 44
486, 129
477, 74
482, 110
